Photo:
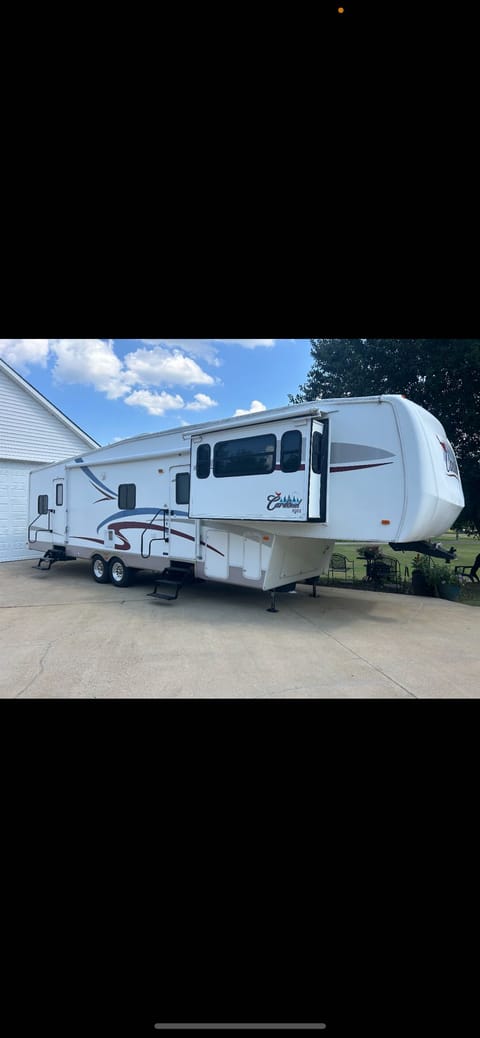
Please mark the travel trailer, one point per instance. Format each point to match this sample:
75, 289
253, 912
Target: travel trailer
257, 501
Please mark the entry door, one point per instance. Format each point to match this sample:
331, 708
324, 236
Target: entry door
181, 529
58, 521
319, 471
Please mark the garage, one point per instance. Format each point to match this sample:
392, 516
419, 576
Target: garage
33, 432
13, 495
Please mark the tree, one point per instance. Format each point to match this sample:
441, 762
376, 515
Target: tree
443, 375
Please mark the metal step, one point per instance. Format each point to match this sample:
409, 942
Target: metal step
51, 556
169, 590
40, 565
176, 573
171, 580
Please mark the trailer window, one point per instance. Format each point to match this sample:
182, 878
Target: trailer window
59, 497
317, 453
291, 455
204, 461
127, 497
42, 504
182, 489
252, 456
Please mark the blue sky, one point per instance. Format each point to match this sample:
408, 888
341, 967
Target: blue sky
115, 388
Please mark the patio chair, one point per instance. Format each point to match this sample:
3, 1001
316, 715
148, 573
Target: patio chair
388, 571
340, 564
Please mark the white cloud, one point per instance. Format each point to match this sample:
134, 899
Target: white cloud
165, 367
95, 362
208, 349
19, 353
202, 348
201, 403
166, 363
155, 403
77, 361
255, 406
91, 362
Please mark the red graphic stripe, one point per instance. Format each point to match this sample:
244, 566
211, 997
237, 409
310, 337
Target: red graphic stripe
217, 552
126, 546
357, 468
118, 527
94, 540
106, 497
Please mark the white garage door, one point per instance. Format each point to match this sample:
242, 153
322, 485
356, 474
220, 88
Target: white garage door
13, 510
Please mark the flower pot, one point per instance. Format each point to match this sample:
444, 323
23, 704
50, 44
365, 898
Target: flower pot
450, 591
419, 584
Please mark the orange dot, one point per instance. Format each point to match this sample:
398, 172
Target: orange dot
341, 10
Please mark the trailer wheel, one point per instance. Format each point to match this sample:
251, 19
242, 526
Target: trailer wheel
120, 574
100, 571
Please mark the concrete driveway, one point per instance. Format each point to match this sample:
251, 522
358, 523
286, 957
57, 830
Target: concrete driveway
62, 635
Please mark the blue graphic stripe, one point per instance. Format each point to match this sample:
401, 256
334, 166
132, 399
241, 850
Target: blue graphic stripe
101, 486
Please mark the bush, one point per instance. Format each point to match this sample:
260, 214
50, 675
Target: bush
435, 576
371, 551
445, 575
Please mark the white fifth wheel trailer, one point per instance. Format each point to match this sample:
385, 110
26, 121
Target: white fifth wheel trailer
257, 501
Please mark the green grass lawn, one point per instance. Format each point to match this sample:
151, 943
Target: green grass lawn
466, 548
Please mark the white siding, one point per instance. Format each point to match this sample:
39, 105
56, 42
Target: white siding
29, 431
30, 436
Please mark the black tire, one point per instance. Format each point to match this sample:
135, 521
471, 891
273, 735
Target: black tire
120, 574
100, 570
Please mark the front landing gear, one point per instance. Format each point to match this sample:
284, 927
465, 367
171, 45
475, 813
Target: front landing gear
288, 589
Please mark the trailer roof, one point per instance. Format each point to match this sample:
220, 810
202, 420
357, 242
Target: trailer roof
313, 408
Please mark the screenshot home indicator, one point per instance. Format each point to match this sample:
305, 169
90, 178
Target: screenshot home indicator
240, 1027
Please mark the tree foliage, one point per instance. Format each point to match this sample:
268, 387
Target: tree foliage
443, 375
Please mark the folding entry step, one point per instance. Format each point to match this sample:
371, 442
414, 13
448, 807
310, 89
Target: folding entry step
167, 589
170, 583
51, 556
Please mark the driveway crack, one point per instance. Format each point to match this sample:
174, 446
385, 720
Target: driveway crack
39, 673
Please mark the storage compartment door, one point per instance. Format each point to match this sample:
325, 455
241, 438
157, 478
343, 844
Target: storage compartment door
216, 555
252, 558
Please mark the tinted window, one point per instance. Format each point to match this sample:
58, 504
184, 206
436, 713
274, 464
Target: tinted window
127, 497
204, 457
253, 456
183, 488
291, 457
59, 494
43, 504
317, 453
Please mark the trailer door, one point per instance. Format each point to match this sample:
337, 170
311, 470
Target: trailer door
319, 471
181, 529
